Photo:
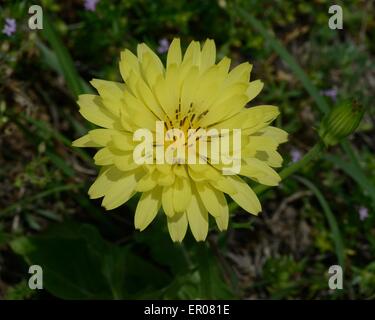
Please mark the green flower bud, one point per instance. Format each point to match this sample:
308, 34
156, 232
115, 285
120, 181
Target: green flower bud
340, 122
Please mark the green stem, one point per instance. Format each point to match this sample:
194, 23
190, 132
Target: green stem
204, 268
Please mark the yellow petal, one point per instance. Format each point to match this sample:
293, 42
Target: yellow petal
180, 171
213, 200
107, 176
208, 55
166, 180
151, 66
196, 175
147, 208
167, 201
140, 115
240, 73
192, 54
224, 65
123, 141
101, 136
109, 89
174, 53
198, 218
231, 91
125, 121
223, 110
147, 182
128, 63
120, 190
188, 89
166, 176
259, 117
164, 168
124, 160
274, 159
85, 142
104, 157
260, 143
222, 221
245, 196
144, 53
208, 89
251, 120
255, 87
181, 194
260, 172
132, 82
164, 97
206, 171
279, 135
172, 82
92, 109
177, 226
224, 185
145, 94
151, 71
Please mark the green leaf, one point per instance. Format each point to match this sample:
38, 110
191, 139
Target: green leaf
71, 263
79, 264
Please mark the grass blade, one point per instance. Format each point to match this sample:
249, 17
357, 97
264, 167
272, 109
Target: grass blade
43, 194
50, 58
336, 235
288, 58
64, 59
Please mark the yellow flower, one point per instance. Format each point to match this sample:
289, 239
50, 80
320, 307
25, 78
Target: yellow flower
191, 92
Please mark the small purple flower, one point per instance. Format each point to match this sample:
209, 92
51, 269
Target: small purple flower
163, 45
332, 93
296, 155
363, 213
10, 26
90, 5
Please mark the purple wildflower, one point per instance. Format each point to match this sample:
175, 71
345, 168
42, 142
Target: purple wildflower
10, 26
363, 213
163, 45
90, 5
296, 155
332, 93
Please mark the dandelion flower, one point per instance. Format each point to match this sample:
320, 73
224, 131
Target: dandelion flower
191, 92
